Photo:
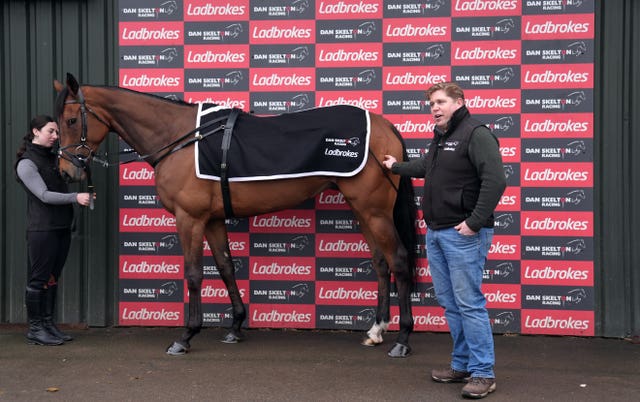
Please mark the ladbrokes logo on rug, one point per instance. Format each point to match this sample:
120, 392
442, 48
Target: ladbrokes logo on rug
150, 33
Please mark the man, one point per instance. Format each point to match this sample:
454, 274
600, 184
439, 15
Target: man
464, 181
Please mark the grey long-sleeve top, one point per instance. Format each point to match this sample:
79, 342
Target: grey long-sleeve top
28, 173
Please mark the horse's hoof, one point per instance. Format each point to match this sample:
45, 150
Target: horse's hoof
369, 342
232, 338
177, 349
399, 350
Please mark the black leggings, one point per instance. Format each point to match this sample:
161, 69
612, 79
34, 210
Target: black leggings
47, 254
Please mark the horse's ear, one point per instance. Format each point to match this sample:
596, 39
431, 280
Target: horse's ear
72, 83
57, 85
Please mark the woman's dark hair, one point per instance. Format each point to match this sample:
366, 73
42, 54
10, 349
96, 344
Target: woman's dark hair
37, 122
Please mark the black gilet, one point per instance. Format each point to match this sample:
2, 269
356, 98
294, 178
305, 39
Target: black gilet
452, 185
42, 216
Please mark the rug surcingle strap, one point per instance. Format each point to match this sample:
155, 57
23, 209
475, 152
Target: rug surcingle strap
224, 179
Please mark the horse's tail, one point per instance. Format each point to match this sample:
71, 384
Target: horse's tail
404, 212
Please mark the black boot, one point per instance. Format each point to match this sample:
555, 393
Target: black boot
38, 334
48, 311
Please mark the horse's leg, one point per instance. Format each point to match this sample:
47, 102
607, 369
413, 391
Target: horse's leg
191, 232
216, 233
389, 255
374, 335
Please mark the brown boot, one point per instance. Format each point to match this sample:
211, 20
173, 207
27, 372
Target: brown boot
478, 387
449, 375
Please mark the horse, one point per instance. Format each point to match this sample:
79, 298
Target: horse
155, 128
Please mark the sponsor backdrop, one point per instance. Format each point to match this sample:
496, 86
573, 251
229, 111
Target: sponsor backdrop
527, 69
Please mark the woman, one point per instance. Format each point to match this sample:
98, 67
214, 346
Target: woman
49, 219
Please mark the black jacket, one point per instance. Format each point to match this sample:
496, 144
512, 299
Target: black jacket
42, 216
463, 172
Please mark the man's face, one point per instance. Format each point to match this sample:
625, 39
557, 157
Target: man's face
443, 107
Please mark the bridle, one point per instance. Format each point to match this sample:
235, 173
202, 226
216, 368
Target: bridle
81, 154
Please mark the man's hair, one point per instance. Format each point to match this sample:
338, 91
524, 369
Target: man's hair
452, 90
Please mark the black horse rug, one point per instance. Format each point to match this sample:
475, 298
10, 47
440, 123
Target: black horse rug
328, 141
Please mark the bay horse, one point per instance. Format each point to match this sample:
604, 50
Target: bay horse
155, 128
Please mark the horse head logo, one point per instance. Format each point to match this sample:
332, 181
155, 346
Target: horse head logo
504, 318
169, 7
172, 97
353, 141
576, 49
169, 241
576, 98
365, 267
366, 77
168, 289
433, 5
505, 25
233, 30
299, 242
503, 269
574, 247
299, 290
575, 296
233, 77
575, 197
434, 52
299, 53
575, 148
504, 75
169, 54
367, 28
300, 6
503, 221
299, 102
367, 314
502, 124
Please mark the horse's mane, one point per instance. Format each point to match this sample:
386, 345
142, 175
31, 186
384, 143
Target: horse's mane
62, 95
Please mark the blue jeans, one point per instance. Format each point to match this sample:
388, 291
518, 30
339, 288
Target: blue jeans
456, 263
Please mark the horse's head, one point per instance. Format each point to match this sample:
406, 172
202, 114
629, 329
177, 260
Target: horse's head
81, 130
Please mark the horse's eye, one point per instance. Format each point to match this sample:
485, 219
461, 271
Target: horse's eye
71, 122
